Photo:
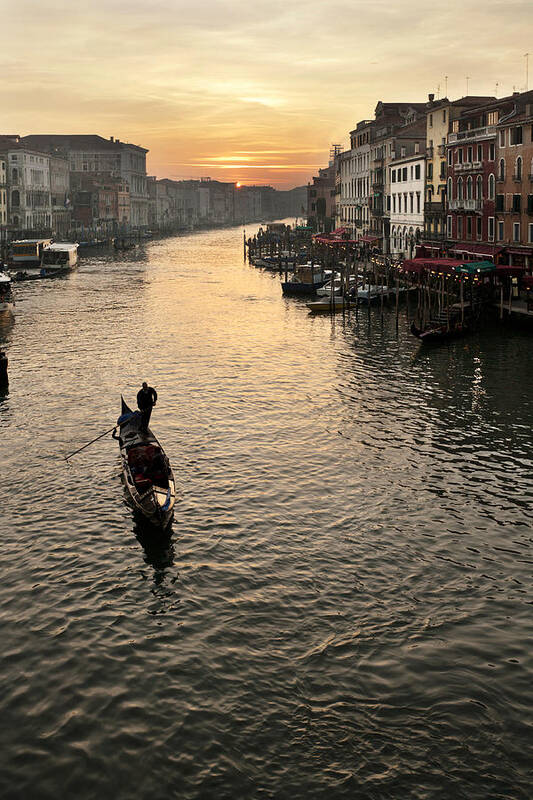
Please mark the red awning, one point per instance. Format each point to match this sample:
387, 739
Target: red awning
476, 249
527, 281
505, 271
338, 232
368, 239
418, 265
519, 251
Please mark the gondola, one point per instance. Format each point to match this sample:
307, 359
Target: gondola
440, 332
146, 471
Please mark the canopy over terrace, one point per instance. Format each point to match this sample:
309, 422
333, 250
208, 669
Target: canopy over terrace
476, 250
447, 266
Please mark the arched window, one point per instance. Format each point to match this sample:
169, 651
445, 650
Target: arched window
15, 220
15, 198
469, 187
450, 189
518, 169
460, 189
501, 173
492, 184
15, 175
479, 188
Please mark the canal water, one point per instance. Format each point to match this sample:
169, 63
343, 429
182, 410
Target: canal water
344, 608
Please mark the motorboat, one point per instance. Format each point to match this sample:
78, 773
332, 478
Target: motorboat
306, 280
59, 257
7, 301
329, 305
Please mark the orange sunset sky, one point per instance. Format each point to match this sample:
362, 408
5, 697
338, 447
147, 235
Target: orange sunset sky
246, 91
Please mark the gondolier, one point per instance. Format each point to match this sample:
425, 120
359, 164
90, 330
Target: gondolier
146, 400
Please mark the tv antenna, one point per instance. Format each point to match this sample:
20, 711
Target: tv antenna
526, 56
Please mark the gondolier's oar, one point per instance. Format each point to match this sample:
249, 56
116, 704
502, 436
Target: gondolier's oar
123, 419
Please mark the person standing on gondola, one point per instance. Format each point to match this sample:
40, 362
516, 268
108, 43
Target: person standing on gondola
146, 400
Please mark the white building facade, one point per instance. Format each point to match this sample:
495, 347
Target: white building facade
406, 183
29, 200
3, 192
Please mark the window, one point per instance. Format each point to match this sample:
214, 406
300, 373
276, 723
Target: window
399, 204
411, 202
431, 120
14, 175
15, 198
411, 172
450, 189
469, 188
502, 138
444, 115
530, 237
417, 171
518, 169
516, 231
402, 152
449, 227
492, 187
460, 156
530, 203
517, 202
492, 151
500, 231
393, 175
478, 227
442, 170
460, 189
501, 170
460, 227
491, 229
469, 154
500, 202
417, 147
430, 170
469, 227
450, 158
404, 175
516, 135
480, 152
479, 187
418, 202
492, 118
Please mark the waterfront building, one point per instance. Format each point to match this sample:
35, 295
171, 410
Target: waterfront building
97, 156
3, 193
514, 179
439, 119
321, 199
60, 197
353, 182
471, 178
28, 186
406, 178
100, 203
397, 126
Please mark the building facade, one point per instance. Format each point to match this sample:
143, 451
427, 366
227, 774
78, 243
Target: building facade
407, 177
3, 192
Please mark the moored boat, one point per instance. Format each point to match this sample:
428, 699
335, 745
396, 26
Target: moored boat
306, 280
146, 470
59, 257
28, 252
329, 305
7, 301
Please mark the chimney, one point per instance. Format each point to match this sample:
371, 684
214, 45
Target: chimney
431, 98
111, 139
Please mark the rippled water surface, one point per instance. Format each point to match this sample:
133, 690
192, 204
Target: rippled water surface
344, 608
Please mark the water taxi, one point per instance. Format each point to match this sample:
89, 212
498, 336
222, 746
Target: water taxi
28, 252
59, 257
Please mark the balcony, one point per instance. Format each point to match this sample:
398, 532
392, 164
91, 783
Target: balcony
429, 152
467, 166
434, 208
488, 132
441, 149
465, 205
